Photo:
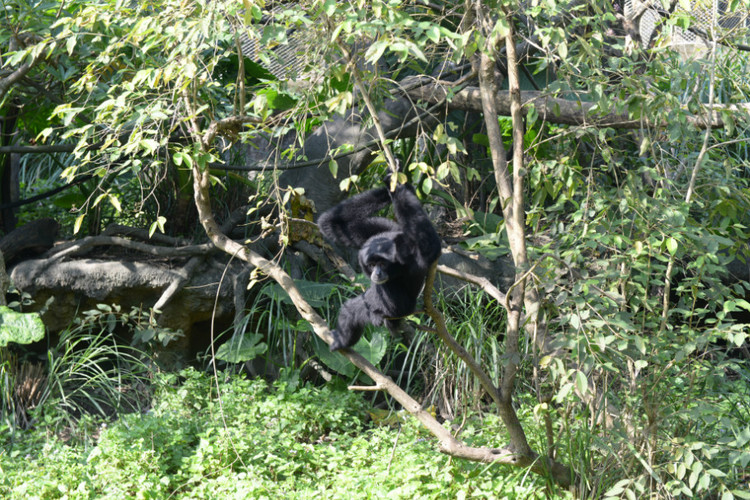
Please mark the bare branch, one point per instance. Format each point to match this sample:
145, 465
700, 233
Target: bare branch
480, 281
521, 458
182, 276
442, 331
143, 235
82, 245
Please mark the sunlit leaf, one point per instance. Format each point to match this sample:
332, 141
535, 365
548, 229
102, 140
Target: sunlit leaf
21, 328
77, 224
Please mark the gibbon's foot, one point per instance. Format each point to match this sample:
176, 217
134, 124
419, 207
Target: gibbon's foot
339, 342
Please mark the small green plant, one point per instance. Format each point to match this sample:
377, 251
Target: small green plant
89, 371
19, 384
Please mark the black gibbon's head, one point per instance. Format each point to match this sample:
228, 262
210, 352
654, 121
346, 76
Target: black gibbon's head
381, 257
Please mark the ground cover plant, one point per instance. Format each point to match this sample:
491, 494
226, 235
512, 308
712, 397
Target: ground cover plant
233, 437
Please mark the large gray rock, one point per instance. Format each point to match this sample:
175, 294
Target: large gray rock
79, 285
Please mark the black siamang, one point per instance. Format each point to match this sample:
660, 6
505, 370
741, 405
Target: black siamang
396, 256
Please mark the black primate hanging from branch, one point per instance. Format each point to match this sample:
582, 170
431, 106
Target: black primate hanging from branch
396, 255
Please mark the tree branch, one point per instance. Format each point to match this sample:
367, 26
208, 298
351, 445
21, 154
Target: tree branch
480, 281
10, 80
561, 111
522, 458
78, 246
510, 188
4, 280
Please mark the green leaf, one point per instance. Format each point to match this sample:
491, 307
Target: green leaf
333, 166
329, 7
345, 184
564, 391
375, 51
502, 28
21, 328
149, 145
115, 201
582, 383
433, 33
639, 344
371, 349
672, 245
645, 146
77, 223
575, 321
70, 45
158, 223
246, 348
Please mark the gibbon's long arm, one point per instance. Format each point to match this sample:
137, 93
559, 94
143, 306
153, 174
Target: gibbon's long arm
350, 223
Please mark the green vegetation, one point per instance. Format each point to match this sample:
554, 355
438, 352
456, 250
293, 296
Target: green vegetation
598, 182
237, 438
88, 372
196, 435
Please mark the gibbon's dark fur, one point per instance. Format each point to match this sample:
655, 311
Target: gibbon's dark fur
395, 254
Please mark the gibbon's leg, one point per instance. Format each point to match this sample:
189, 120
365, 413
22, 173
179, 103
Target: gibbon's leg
353, 317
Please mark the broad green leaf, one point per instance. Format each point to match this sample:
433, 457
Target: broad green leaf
375, 51
502, 28
115, 201
433, 33
645, 146
21, 328
564, 391
158, 223
575, 321
246, 348
70, 45
371, 349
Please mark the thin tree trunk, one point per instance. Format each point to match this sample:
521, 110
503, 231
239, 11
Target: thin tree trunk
511, 190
